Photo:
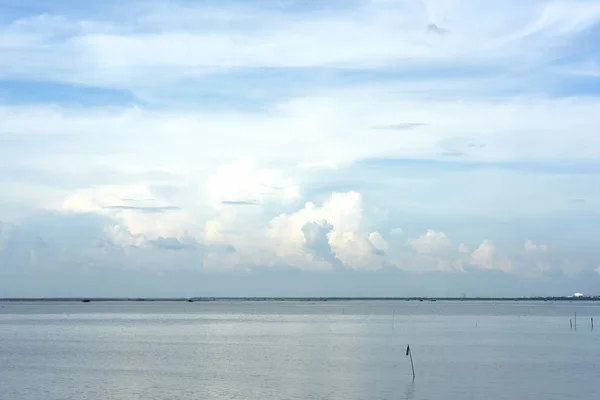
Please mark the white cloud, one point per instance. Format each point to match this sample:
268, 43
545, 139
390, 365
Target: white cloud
531, 247
537, 261
564, 18
242, 195
170, 143
136, 205
485, 255
152, 37
433, 251
318, 164
316, 240
125, 138
488, 257
378, 242
329, 89
342, 210
304, 239
431, 242
397, 231
343, 213
242, 183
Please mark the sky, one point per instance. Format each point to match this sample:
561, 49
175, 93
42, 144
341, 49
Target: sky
299, 148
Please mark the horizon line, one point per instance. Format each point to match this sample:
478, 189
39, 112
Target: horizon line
300, 298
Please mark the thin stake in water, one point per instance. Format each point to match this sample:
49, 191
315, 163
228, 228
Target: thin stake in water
592, 319
409, 353
571, 323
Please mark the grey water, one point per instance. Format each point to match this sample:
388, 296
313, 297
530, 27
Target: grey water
298, 350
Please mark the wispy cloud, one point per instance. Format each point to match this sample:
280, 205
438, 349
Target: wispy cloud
240, 202
150, 210
400, 127
194, 40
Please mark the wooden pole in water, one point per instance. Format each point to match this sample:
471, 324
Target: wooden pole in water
592, 319
571, 323
409, 353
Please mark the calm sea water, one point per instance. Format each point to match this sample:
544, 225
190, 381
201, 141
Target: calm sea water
285, 350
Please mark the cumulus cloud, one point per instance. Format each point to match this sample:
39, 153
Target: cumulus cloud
170, 243
63, 242
488, 257
316, 241
68, 241
432, 251
531, 247
537, 261
431, 242
485, 255
352, 245
380, 245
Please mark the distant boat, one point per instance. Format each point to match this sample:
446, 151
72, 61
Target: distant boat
85, 300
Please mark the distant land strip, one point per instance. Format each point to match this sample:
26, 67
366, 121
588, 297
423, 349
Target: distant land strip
298, 299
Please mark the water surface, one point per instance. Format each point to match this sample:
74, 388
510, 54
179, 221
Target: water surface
298, 350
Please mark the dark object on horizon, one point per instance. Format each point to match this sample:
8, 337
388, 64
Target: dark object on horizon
190, 301
85, 300
409, 353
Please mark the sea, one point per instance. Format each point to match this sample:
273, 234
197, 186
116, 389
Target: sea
491, 350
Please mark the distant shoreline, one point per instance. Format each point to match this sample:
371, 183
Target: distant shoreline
296, 299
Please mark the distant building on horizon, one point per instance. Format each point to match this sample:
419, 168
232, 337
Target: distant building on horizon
577, 294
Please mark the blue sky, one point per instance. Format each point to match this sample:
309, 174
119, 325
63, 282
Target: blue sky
370, 147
